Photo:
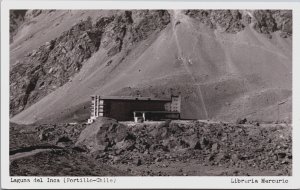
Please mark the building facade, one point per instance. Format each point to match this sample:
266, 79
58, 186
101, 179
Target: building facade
124, 108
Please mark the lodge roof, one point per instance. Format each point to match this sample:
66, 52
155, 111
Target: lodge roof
133, 98
157, 112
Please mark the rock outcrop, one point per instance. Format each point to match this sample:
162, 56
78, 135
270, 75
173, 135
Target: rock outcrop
52, 65
233, 21
16, 18
270, 21
102, 134
227, 20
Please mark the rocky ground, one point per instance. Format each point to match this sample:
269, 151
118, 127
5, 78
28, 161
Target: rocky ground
176, 148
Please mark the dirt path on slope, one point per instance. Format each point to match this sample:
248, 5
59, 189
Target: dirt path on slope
26, 154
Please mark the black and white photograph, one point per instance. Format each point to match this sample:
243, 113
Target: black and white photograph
150, 92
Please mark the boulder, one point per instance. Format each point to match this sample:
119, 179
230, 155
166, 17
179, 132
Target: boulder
103, 133
214, 147
241, 121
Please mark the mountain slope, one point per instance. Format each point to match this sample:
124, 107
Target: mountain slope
53, 64
222, 71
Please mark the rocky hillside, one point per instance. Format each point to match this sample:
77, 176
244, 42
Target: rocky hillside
216, 59
171, 148
56, 62
233, 21
265, 147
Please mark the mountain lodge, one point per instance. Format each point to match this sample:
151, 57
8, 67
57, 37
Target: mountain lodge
128, 108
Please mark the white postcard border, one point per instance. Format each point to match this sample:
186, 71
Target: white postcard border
146, 182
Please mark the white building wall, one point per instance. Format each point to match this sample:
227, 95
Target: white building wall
176, 103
